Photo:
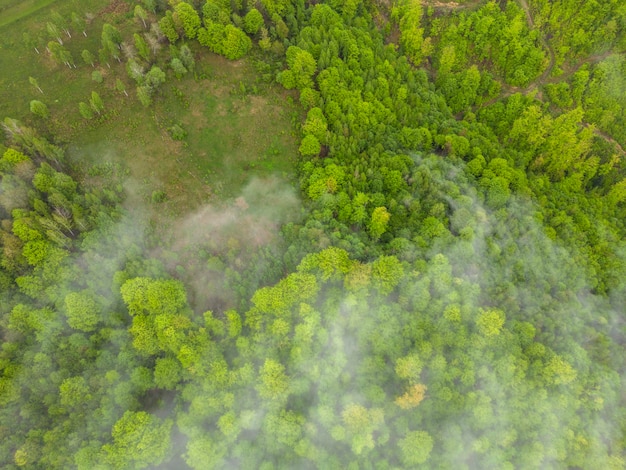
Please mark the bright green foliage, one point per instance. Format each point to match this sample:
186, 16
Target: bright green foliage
302, 66
316, 125
372, 332
378, 222
558, 371
387, 272
229, 41
81, 310
96, 102
188, 17
121, 87
411, 34
167, 373
111, 38
39, 109
409, 367
310, 146
139, 440
273, 383
168, 26
85, 110
253, 21
74, 392
490, 322
235, 43
415, 448
142, 47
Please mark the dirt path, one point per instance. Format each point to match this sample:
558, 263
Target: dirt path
438, 5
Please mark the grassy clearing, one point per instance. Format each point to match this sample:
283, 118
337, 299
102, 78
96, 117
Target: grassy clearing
232, 136
11, 11
237, 128
19, 61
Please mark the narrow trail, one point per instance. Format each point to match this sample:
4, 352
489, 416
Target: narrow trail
545, 77
608, 138
438, 5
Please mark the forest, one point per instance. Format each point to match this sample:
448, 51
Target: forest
297, 234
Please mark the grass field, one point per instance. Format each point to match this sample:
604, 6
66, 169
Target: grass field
12, 10
235, 125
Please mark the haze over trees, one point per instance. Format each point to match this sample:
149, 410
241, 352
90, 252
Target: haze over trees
446, 290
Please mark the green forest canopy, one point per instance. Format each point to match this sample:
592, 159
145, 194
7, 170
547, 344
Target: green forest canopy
386, 236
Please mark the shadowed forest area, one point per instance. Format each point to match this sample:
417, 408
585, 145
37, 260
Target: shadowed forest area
286, 234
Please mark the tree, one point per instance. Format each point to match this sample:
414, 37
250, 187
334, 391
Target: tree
81, 311
168, 27
310, 146
96, 102
178, 67
274, 383
139, 440
235, 44
135, 71
111, 40
119, 86
415, 448
253, 21
144, 95
59, 21
167, 373
378, 222
151, 5
73, 392
53, 32
88, 57
302, 66
140, 14
154, 78
30, 42
128, 50
85, 110
39, 109
142, 47
79, 23
186, 57
189, 19
33, 81
61, 54
490, 322
153, 43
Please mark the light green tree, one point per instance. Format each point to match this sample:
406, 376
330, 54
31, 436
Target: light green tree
81, 311
96, 102
378, 222
88, 57
40, 109
85, 110
253, 21
415, 448
139, 440
33, 81
188, 17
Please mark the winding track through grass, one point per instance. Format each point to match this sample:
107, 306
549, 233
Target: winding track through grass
21, 10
